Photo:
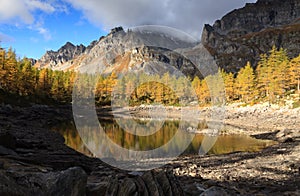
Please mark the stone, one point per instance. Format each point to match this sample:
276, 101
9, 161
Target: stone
161, 183
7, 151
95, 189
215, 191
29, 181
113, 187
164, 183
288, 140
175, 186
141, 186
128, 187
151, 184
7, 140
69, 182
193, 189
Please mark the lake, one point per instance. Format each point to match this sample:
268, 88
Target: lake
223, 143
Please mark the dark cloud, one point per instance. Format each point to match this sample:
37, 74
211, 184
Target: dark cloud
187, 15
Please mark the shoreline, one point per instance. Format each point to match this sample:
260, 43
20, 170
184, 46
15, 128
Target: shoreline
250, 120
29, 150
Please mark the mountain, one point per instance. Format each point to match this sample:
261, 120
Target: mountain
63, 57
243, 34
240, 36
146, 49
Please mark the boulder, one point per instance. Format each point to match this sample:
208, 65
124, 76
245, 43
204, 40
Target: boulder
31, 181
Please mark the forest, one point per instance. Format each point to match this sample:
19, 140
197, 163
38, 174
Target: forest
275, 78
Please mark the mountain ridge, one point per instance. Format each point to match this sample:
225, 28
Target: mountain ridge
64, 54
243, 34
238, 37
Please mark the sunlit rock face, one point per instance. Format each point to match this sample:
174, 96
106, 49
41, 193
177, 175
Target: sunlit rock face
64, 54
243, 34
149, 50
240, 36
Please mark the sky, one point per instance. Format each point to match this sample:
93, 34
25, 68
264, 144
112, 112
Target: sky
31, 27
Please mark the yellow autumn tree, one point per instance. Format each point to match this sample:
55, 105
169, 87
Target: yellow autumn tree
11, 76
245, 83
278, 66
205, 97
2, 68
196, 84
229, 85
295, 74
27, 78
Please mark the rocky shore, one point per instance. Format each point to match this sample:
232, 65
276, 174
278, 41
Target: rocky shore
35, 160
249, 120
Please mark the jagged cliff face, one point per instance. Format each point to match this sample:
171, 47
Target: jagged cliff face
64, 57
240, 36
122, 52
244, 34
140, 51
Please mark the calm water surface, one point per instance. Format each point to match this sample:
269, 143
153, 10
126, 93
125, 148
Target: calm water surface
224, 144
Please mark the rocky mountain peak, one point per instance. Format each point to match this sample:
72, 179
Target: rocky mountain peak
240, 36
68, 44
243, 34
116, 30
257, 16
66, 53
142, 49
119, 46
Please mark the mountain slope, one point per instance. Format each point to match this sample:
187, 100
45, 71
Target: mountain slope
243, 34
144, 49
240, 36
63, 57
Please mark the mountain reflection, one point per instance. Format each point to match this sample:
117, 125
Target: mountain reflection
224, 144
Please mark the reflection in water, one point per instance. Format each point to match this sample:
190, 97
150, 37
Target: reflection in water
224, 144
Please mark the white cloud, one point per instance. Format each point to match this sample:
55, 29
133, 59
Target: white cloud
6, 38
12, 9
187, 15
45, 33
35, 4
19, 12
40, 29
16, 10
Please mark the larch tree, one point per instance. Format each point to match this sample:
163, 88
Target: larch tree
229, 85
205, 97
111, 82
57, 88
166, 82
44, 82
263, 75
2, 68
245, 83
295, 73
196, 84
27, 78
11, 76
277, 64
100, 89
